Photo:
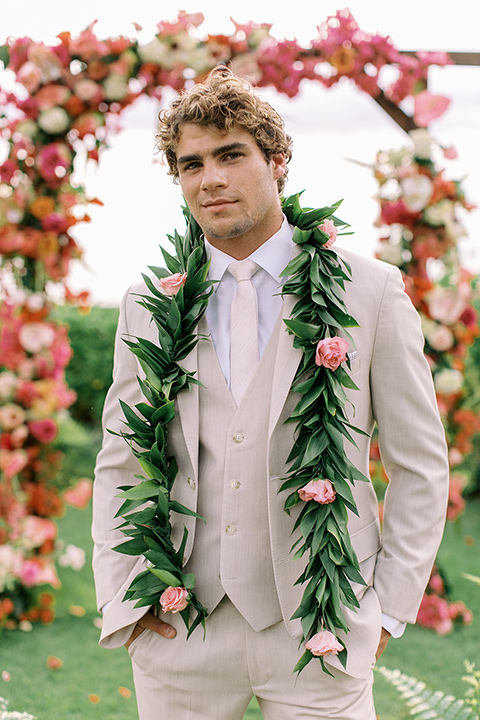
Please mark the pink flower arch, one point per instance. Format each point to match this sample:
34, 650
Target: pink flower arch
73, 93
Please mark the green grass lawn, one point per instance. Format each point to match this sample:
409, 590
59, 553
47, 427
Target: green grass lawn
88, 670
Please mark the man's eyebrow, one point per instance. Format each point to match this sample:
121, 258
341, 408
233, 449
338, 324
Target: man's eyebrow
195, 157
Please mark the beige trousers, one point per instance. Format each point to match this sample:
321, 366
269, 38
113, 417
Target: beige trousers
215, 678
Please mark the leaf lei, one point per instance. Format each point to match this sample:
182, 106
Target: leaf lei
317, 277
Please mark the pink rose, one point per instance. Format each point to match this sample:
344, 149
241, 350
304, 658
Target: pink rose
329, 229
324, 643
44, 430
174, 599
331, 352
322, 491
171, 285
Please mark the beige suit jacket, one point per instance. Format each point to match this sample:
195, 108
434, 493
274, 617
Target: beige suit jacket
395, 390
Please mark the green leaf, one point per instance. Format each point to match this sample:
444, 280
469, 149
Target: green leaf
146, 490
305, 331
166, 577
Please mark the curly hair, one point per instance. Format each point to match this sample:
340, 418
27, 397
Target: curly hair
223, 100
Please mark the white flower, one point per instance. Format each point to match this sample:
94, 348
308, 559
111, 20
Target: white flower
73, 557
422, 143
448, 381
391, 254
36, 336
417, 192
154, 52
442, 213
8, 384
115, 87
27, 127
54, 121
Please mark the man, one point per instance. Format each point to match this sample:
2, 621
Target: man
229, 152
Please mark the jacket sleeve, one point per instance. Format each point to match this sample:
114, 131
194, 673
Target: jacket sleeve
116, 466
413, 451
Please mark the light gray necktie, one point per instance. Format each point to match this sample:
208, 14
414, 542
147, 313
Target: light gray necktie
243, 328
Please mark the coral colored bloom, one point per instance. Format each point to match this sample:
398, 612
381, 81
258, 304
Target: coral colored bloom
174, 599
54, 663
171, 285
322, 491
331, 352
428, 107
79, 495
329, 229
324, 643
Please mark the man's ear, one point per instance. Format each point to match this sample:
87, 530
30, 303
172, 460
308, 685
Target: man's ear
278, 163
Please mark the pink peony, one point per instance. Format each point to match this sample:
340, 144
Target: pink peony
322, 491
171, 285
53, 161
324, 643
174, 599
329, 229
434, 613
331, 352
30, 573
44, 430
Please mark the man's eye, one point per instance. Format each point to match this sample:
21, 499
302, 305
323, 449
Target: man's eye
191, 166
232, 155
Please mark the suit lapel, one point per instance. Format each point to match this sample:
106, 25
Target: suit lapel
286, 364
188, 410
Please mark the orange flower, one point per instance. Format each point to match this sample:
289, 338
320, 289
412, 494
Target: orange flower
343, 59
124, 692
54, 663
77, 610
42, 207
47, 245
94, 699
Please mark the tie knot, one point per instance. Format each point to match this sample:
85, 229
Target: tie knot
243, 269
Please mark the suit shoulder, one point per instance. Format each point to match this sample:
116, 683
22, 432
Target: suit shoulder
366, 268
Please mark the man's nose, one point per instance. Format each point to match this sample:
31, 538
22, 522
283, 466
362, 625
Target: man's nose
213, 176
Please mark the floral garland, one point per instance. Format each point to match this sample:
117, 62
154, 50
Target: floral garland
320, 474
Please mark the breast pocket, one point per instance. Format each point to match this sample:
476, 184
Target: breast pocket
354, 365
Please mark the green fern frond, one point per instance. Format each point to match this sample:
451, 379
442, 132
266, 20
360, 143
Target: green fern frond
425, 704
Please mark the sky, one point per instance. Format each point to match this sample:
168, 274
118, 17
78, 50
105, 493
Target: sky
330, 128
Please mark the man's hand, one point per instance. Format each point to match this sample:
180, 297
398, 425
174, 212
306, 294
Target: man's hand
151, 622
384, 638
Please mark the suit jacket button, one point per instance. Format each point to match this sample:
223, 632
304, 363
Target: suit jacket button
192, 483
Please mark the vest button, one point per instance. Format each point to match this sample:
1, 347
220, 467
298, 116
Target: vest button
192, 483
230, 530
234, 484
238, 437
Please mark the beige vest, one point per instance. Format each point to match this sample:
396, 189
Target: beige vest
231, 553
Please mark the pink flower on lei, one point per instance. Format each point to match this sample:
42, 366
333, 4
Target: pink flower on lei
171, 285
331, 352
322, 491
174, 599
324, 643
329, 229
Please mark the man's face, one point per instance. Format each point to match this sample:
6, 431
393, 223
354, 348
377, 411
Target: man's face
230, 187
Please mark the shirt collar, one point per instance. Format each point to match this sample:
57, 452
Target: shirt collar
273, 256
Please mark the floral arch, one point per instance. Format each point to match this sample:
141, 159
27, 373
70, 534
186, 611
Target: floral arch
66, 100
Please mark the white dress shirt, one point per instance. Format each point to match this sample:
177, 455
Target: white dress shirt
272, 257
